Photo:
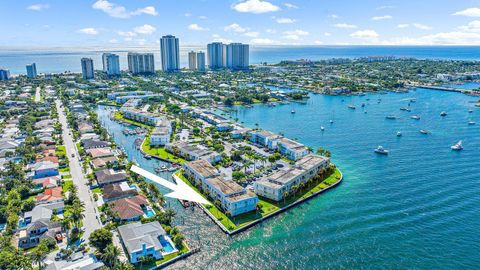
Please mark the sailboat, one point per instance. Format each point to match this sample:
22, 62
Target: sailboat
457, 147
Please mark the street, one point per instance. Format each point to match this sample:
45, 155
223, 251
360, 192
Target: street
90, 221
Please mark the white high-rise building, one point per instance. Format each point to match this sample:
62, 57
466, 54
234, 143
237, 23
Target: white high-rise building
111, 64
237, 56
200, 61
87, 68
216, 55
141, 63
170, 53
192, 60
32, 71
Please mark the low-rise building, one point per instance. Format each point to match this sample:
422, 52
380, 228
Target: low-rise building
141, 116
161, 133
276, 185
145, 240
232, 197
194, 152
291, 149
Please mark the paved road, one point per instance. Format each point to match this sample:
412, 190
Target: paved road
37, 94
90, 222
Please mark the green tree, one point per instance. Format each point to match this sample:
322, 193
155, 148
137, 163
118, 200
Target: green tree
109, 255
100, 238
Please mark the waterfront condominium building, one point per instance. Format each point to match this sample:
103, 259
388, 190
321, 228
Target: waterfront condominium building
216, 55
170, 53
237, 56
4, 74
192, 60
32, 71
141, 63
200, 61
111, 64
87, 68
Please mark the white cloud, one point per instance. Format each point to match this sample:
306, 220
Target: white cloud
385, 7
327, 34
473, 26
140, 41
117, 11
333, 16
295, 34
113, 40
203, 17
422, 26
218, 38
271, 31
150, 10
318, 42
127, 34
88, 31
38, 7
379, 18
196, 27
289, 5
252, 34
145, 29
403, 25
469, 12
255, 7
365, 34
235, 27
188, 14
262, 41
285, 20
345, 26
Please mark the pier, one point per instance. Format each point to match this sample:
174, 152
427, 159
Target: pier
443, 88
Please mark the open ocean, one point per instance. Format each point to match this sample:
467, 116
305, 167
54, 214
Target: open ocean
417, 208
60, 60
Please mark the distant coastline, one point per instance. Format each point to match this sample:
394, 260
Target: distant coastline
59, 59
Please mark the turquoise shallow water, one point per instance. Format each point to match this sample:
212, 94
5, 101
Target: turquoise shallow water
416, 208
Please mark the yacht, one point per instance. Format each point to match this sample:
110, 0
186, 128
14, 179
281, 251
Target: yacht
381, 150
322, 128
424, 131
416, 117
352, 107
413, 100
457, 147
470, 111
443, 114
399, 134
331, 121
392, 117
471, 123
292, 111
403, 109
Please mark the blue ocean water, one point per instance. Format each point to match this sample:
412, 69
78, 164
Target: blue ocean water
416, 208
60, 60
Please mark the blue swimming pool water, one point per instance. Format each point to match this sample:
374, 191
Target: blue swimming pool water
167, 247
149, 213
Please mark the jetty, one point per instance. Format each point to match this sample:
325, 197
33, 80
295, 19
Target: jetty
444, 88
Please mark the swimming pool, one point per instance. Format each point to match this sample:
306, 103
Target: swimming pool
167, 247
149, 213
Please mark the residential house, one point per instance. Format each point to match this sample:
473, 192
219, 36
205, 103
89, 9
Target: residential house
145, 240
109, 176
100, 152
38, 227
118, 191
44, 169
77, 261
50, 195
130, 208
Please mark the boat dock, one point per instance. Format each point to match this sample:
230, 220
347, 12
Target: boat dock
443, 88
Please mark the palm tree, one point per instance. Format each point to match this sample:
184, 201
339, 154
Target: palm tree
109, 255
285, 195
66, 225
294, 189
123, 266
39, 254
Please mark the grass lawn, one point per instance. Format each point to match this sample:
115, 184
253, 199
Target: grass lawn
166, 258
67, 185
97, 190
66, 169
160, 152
267, 206
60, 150
119, 116
66, 176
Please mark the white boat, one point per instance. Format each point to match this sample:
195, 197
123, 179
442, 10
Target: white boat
399, 134
416, 117
381, 150
365, 111
443, 114
391, 117
331, 121
471, 123
470, 111
352, 107
457, 147
322, 128
424, 131
292, 111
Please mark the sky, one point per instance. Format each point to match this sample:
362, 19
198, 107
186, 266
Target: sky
122, 23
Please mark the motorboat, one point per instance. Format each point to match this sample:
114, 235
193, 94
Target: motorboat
457, 147
424, 131
471, 123
399, 134
365, 111
331, 121
391, 117
322, 128
292, 111
352, 107
380, 150
470, 111
443, 114
416, 117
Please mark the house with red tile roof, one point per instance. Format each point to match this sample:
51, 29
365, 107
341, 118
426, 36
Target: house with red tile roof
50, 195
131, 208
